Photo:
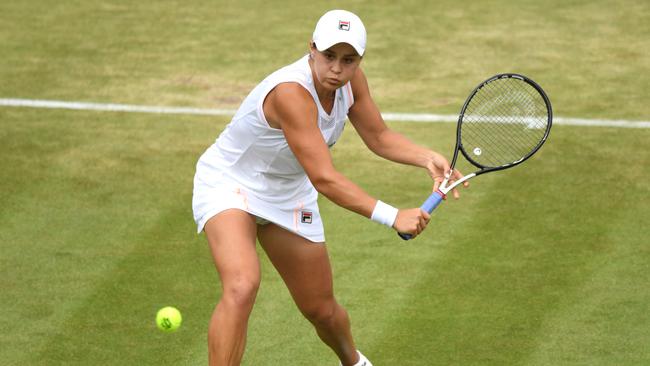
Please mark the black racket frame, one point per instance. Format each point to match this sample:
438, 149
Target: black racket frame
459, 144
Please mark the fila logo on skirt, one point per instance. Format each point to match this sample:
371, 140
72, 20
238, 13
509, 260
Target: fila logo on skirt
306, 217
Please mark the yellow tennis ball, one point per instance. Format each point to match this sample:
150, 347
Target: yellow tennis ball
168, 319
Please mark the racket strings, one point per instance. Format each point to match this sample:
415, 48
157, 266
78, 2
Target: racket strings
503, 122
506, 103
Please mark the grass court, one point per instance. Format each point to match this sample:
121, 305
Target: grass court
545, 264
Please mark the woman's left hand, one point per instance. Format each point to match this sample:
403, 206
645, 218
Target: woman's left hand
439, 169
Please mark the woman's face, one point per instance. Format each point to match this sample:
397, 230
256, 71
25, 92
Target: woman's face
335, 66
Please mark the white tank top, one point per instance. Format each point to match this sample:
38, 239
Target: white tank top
256, 157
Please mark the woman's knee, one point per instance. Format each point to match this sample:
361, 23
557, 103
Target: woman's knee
241, 292
322, 312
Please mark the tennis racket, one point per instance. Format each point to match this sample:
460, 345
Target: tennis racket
504, 121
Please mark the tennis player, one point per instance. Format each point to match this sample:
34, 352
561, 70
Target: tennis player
261, 179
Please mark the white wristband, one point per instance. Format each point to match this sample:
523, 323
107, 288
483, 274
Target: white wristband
384, 214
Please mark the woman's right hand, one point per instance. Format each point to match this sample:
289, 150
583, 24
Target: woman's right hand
411, 221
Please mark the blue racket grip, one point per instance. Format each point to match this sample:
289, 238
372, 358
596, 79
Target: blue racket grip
429, 205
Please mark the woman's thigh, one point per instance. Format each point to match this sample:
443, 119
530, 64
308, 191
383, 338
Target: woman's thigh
231, 235
303, 265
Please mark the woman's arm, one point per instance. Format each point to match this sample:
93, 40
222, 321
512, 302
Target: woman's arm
292, 108
391, 145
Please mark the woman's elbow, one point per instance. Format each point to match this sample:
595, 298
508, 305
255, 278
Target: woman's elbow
323, 181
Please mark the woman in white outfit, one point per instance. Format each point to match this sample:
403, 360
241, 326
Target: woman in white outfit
261, 179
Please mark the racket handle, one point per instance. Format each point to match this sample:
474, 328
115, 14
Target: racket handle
429, 205
433, 201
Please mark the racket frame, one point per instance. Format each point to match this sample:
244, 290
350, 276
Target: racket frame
444, 189
436, 197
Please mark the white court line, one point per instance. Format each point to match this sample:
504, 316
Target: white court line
406, 117
111, 107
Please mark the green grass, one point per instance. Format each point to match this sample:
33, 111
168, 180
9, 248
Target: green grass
546, 264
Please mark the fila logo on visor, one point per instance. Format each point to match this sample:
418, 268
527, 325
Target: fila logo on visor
343, 25
306, 217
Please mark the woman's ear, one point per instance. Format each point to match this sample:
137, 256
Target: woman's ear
312, 50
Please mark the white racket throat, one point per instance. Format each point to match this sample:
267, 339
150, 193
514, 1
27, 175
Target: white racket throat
443, 187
